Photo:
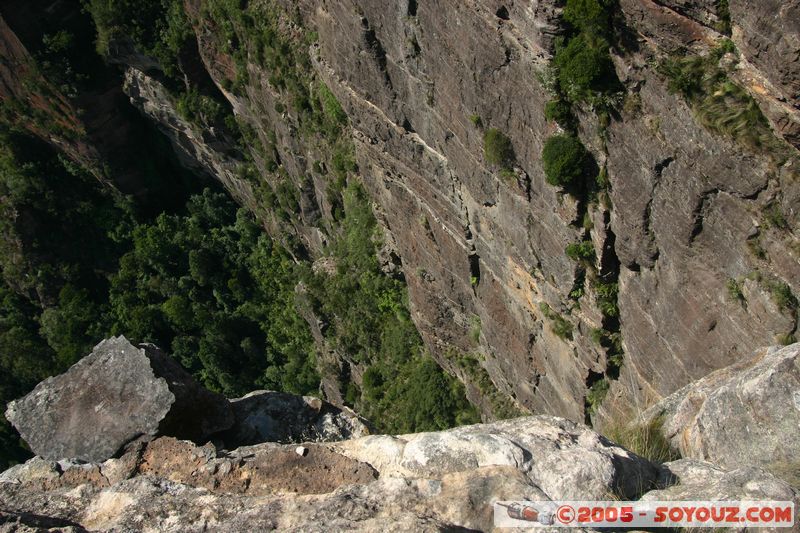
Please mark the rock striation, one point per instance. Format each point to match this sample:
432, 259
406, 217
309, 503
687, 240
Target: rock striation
117, 393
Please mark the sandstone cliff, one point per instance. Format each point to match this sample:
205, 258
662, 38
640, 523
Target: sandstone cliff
695, 236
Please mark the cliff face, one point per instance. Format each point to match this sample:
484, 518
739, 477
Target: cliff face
687, 205
697, 229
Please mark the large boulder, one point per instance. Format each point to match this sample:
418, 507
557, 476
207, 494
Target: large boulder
267, 416
745, 414
692, 480
112, 396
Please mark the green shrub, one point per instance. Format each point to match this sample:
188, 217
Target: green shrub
563, 158
589, 16
773, 216
497, 148
584, 67
782, 295
559, 111
596, 394
583, 252
607, 298
723, 24
734, 290
476, 121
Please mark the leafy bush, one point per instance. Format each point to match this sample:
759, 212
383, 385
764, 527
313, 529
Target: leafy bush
597, 393
589, 16
583, 252
584, 67
559, 112
564, 158
497, 148
607, 298
782, 295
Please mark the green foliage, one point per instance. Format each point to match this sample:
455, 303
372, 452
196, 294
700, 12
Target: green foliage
558, 324
645, 440
589, 16
723, 24
417, 396
719, 104
564, 159
501, 406
782, 295
607, 298
560, 112
199, 108
584, 67
476, 120
497, 148
369, 320
596, 395
212, 290
582, 252
734, 288
786, 339
773, 216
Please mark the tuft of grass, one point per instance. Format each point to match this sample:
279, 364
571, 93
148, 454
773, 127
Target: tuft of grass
735, 290
773, 216
476, 120
559, 325
719, 104
475, 329
497, 148
645, 440
786, 339
782, 295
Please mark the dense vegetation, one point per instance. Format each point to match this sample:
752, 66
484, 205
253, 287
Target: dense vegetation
190, 271
79, 264
563, 158
403, 389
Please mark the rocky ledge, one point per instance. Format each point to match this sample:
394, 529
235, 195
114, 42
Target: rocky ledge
435, 481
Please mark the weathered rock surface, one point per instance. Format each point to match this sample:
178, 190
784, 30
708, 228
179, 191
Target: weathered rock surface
266, 416
746, 414
691, 480
117, 393
422, 482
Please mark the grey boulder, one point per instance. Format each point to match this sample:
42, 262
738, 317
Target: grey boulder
117, 393
745, 414
267, 416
